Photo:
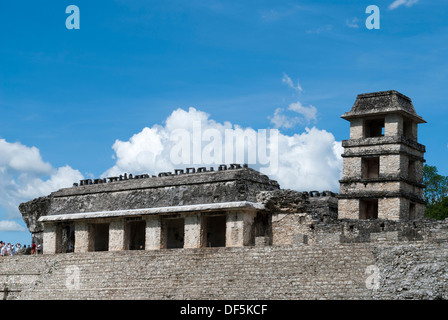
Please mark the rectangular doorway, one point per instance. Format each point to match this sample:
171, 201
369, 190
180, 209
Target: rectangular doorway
370, 167
67, 237
100, 236
136, 235
174, 233
412, 211
368, 209
214, 231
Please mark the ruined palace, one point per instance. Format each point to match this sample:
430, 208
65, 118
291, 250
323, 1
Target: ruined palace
231, 232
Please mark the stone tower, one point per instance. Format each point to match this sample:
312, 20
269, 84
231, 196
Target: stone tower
382, 160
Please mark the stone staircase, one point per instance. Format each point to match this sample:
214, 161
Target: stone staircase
282, 272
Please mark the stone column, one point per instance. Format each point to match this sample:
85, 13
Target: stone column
81, 236
116, 235
50, 239
153, 233
239, 228
192, 231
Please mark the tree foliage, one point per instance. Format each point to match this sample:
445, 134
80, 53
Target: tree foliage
435, 194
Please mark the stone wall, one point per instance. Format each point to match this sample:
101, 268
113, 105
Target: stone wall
381, 269
270, 272
341, 259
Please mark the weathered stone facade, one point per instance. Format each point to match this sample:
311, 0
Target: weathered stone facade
232, 233
383, 162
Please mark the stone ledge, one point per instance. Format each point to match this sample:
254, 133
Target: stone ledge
373, 141
380, 194
381, 180
377, 153
243, 205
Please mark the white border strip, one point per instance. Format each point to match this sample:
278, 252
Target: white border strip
149, 211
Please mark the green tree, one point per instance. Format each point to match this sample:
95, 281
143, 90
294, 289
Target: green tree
435, 194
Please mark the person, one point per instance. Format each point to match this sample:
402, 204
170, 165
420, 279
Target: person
18, 247
39, 248
33, 248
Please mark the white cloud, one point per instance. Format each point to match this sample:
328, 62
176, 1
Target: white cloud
352, 23
309, 113
319, 30
310, 160
398, 3
286, 79
282, 120
19, 158
8, 225
24, 176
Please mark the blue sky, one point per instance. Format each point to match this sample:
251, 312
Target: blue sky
72, 94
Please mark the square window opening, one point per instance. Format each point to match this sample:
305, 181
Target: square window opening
214, 231
374, 128
368, 209
370, 168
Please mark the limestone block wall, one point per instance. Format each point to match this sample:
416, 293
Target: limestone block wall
285, 227
409, 261
356, 129
393, 125
351, 168
273, 272
348, 209
412, 271
392, 165
393, 208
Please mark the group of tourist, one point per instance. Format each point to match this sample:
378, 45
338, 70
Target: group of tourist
10, 249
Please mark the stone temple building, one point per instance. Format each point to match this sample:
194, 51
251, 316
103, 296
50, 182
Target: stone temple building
383, 162
231, 232
231, 206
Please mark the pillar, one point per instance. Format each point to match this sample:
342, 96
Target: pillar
117, 235
81, 236
50, 239
192, 231
239, 228
153, 233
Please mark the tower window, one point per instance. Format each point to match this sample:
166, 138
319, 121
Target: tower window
374, 128
370, 168
368, 209
407, 129
412, 211
411, 170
